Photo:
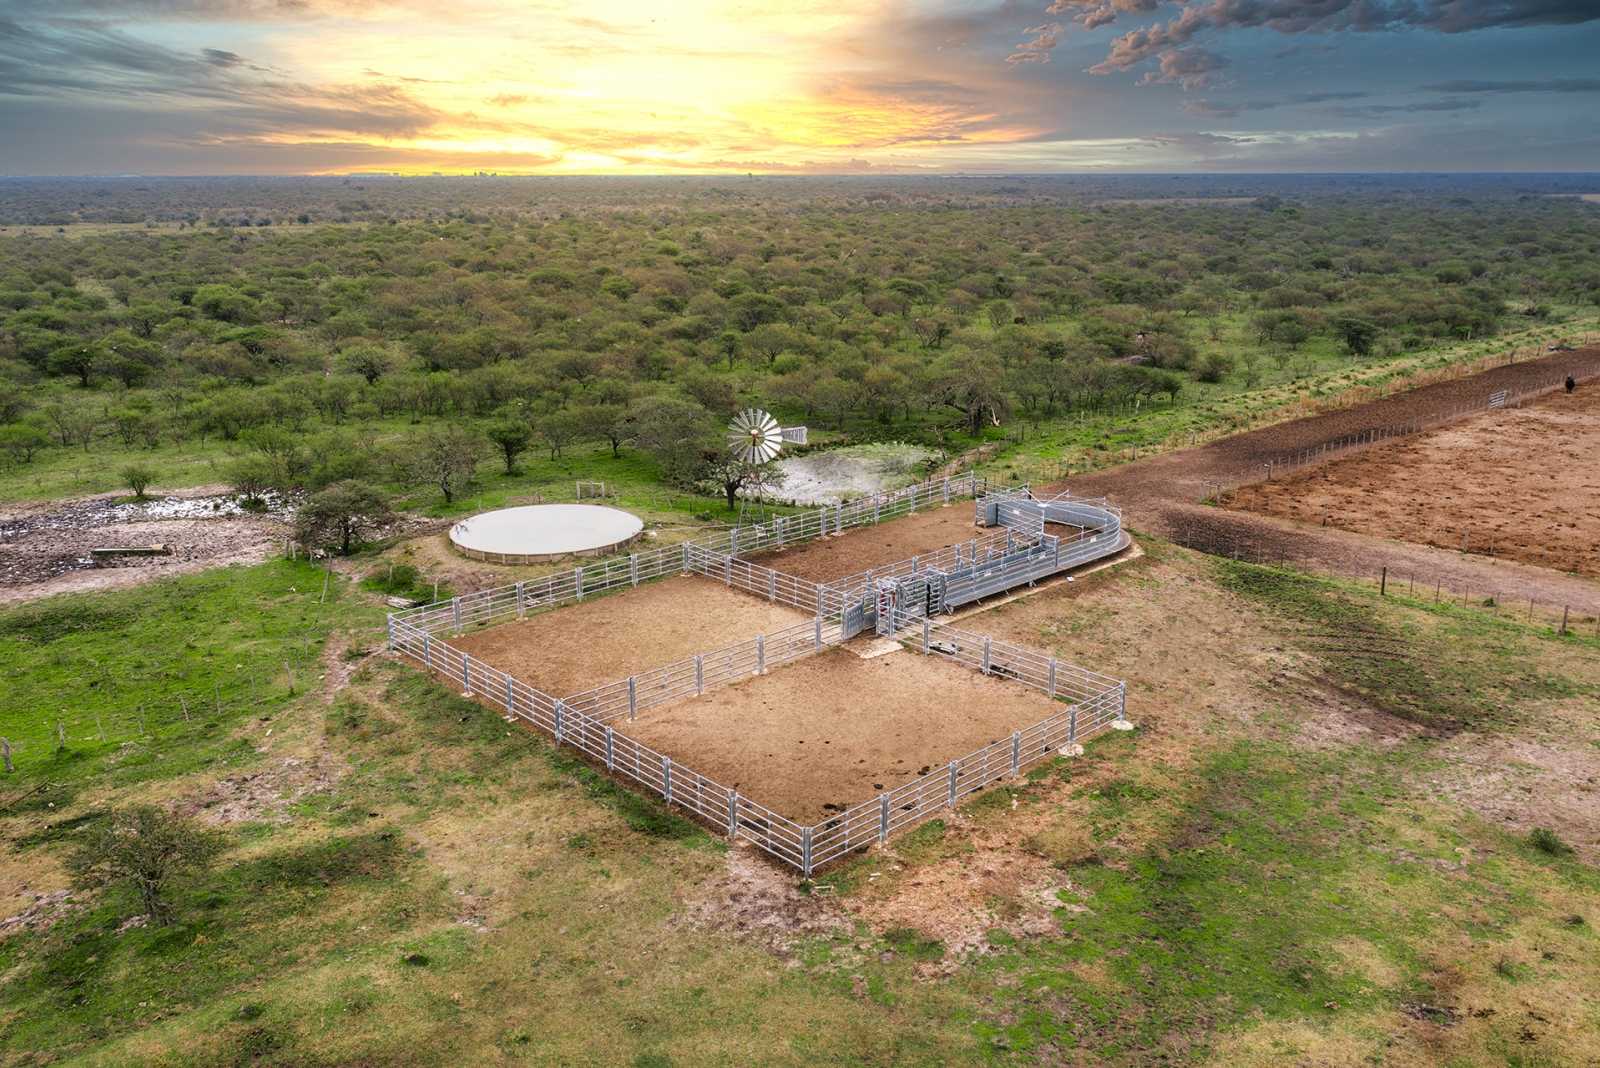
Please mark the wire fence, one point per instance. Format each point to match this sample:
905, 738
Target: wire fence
1561, 615
1349, 444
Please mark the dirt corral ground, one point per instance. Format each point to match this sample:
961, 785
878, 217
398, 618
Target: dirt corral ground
45, 548
834, 729
868, 546
1517, 482
580, 646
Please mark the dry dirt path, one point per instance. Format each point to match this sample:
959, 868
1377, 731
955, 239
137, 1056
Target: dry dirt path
1162, 494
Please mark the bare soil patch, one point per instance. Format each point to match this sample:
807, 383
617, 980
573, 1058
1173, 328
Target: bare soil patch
881, 543
1161, 494
45, 548
834, 729
580, 646
1520, 483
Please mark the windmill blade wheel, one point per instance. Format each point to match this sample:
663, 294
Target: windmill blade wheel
754, 436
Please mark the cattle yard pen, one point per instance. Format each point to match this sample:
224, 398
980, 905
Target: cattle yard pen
594, 720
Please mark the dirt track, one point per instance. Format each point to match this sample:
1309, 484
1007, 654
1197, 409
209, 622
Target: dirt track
1161, 494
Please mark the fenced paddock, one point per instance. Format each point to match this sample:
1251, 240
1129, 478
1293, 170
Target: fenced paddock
734, 714
612, 637
832, 729
601, 723
1516, 482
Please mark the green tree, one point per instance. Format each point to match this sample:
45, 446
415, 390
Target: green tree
1358, 335
138, 477
511, 436
145, 848
340, 514
674, 432
443, 456
22, 442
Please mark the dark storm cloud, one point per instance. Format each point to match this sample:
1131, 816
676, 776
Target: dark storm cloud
1319, 16
1548, 85
1372, 111
1221, 109
90, 60
1190, 68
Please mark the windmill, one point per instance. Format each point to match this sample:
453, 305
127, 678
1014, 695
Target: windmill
754, 439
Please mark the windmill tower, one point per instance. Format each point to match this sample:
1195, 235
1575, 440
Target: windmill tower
755, 438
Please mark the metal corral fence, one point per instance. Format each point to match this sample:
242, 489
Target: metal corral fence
584, 721
1018, 552
1096, 702
501, 603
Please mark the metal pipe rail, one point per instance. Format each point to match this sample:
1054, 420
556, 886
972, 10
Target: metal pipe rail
585, 722
501, 603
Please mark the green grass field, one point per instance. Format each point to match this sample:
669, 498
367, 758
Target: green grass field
446, 889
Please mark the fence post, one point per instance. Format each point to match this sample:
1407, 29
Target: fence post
761, 654
560, 706
925, 628
699, 674
577, 581
1564, 610
455, 613
686, 556
947, 491
1383, 581
777, 526
772, 585
633, 568
610, 751
466, 674
953, 774
521, 605
883, 807
838, 517
822, 521
633, 696
805, 851
1052, 688
818, 625
986, 649
1072, 725
389, 629
913, 563
1016, 752
511, 696
877, 507
666, 778
427, 650
733, 542
733, 813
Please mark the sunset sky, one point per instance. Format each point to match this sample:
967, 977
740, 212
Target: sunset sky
332, 86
